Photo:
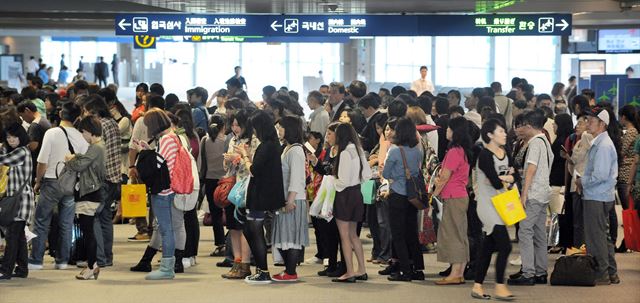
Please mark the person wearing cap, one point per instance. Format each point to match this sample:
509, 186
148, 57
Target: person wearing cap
598, 186
197, 97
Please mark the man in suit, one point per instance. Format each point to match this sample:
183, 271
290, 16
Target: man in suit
356, 91
369, 105
337, 100
101, 72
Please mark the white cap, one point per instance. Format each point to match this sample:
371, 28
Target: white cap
604, 116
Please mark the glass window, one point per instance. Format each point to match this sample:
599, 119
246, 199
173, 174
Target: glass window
263, 64
462, 61
400, 64
532, 58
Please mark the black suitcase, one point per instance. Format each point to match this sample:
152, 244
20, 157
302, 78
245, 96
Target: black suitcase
574, 270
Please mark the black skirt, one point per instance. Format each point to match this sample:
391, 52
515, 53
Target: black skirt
349, 205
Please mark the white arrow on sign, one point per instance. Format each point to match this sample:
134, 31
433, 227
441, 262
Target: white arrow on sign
122, 24
564, 24
275, 25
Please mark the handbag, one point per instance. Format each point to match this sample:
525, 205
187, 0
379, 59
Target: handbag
221, 193
238, 194
134, 200
509, 207
67, 178
10, 206
4, 179
631, 223
368, 190
574, 270
416, 188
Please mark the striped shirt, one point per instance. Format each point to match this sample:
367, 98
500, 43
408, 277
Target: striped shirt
20, 170
112, 141
168, 149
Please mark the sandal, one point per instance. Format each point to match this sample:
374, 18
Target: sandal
218, 252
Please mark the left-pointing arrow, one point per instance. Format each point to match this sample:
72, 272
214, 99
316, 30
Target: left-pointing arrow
275, 25
122, 24
564, 24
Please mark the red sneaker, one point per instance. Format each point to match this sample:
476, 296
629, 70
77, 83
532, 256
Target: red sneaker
284, 277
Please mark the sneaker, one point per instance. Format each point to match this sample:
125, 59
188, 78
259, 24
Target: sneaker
63, 266
35, 266
542, 279
186, 263
614, 279
192, 261
220, 251
522, 280
603, 281
81, 264
313, 260
284, 277
261, 277
516, 262
139, 238
4, 277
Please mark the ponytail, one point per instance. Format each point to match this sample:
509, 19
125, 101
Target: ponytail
216, 125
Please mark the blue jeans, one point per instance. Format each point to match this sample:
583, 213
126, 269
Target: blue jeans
161, 206
50, 197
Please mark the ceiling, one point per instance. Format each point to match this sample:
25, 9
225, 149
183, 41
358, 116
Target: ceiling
99, 14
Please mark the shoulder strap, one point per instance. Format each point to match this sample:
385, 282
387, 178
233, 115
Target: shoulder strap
407, 173
68, 141
203, 157
546, 151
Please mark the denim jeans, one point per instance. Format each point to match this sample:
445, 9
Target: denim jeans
50, 197
161, 206
103, 225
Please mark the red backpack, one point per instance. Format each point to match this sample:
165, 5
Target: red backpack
181, 174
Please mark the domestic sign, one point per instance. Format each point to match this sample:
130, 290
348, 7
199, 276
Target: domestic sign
342, 25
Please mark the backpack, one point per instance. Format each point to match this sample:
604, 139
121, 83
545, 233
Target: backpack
153, 171
181, 174
187, 202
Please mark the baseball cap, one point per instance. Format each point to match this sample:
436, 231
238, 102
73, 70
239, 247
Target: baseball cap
601, 114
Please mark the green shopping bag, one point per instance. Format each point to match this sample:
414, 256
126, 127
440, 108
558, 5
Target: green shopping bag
368, 190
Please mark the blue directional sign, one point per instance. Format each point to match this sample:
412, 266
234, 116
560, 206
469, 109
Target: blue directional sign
342, 25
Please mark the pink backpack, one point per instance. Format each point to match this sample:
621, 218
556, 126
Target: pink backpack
181, 174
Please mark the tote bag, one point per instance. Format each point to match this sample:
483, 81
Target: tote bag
134, 200
509, 207
238, 194
631, 223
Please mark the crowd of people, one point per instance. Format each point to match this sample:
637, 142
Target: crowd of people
261, 166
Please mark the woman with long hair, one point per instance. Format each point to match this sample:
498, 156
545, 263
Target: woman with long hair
453, 244
265, 191
350, 170
563, 126
290, 226
330, 236
629, 121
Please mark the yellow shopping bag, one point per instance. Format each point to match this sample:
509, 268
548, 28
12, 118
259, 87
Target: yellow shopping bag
134, 200
509, 207
4, 179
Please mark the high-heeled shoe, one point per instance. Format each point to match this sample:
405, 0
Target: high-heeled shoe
89, 274
347, 280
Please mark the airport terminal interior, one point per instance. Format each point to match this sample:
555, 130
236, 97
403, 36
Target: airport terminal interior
139, 160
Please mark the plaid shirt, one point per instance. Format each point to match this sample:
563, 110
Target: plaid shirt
111, 137
20, 170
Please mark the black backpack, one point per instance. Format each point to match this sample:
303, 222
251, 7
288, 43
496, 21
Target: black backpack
153, 171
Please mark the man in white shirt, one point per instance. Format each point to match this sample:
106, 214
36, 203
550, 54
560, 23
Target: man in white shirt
32, 66
471, 102
55, 146
423, 84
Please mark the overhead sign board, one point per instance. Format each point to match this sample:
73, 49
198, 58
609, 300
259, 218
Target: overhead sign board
342, 25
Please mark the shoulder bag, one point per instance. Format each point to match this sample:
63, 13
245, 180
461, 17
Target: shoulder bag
416, 188
67, 178
10, 206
